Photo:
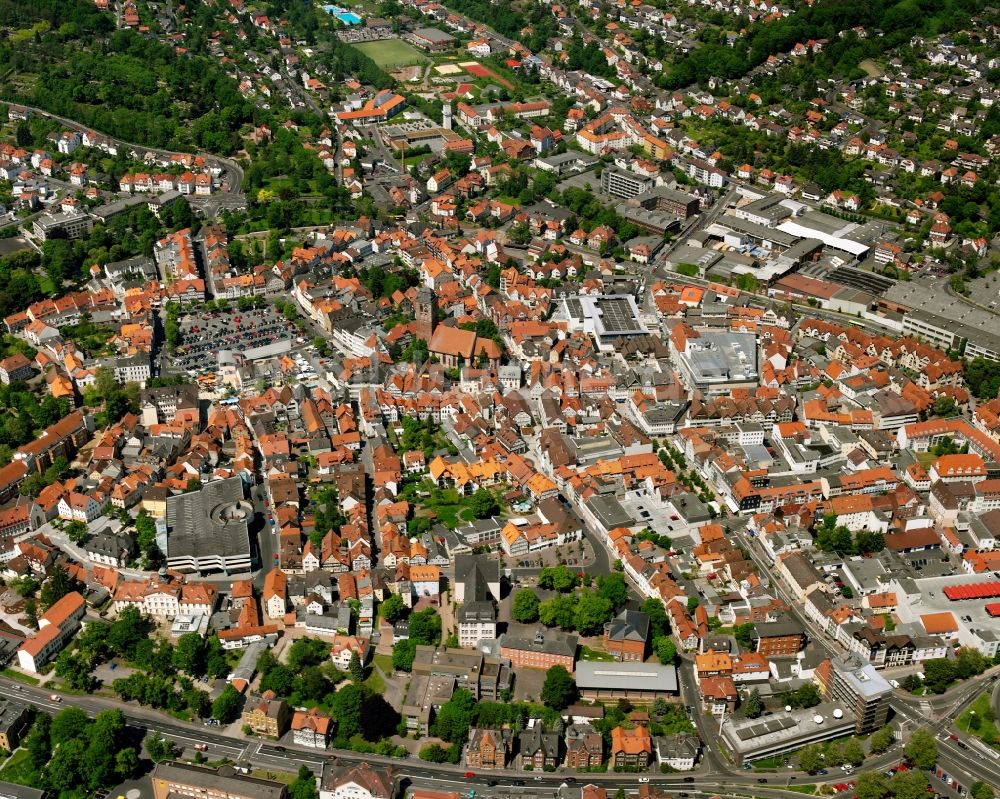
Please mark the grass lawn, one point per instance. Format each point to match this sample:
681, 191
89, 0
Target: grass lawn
277, 776
446, 503
987, 730
871, 68
769, 763
18, 768
375, 682
384, 662
586, 653
16, 675
811, 789
391, 53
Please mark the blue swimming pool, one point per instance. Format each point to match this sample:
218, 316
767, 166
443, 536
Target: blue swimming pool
347, 17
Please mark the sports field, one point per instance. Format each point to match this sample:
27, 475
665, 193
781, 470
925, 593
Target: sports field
392, 53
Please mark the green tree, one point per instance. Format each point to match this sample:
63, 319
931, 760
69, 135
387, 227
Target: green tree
356, 670
910, 784
435, 753
280, 679
834, 755
126, 632
306, 652
105, 739
76, 531
189, 654
853, 752
809, 759
559, 690
484, 504
659, 622
981, 790
922, 749
37, 742
519, 234
126, 763
55, 587
593, 611
871, 785
612, 588
75, 669
159, 748
347, 707
969, 663
693, 602
304, 785
66, 769
68, 724
226, 706
754, 706
215, 658
525, 606
393, 609
806, 696
666, 649
403, 653
31, 613
558, 612
455, 717
882, 739
425, 627
559, 578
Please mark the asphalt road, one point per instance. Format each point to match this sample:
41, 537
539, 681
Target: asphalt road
711, 779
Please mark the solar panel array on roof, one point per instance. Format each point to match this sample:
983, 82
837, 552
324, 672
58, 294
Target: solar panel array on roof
860, 279
617, 317
776, 724
973, 591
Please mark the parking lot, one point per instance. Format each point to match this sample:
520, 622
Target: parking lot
662, 521
204, 334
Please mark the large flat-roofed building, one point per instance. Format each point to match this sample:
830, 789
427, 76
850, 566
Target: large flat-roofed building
636, 682
10, 790
848, 238
605, 510
207, 530
176, 780
71, 223
623, 183
671, 201
943, 320
432, 39
741, 233
785, 731
859, 689
484, 676
610, 319
716, 361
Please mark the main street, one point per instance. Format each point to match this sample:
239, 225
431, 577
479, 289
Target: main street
714, 776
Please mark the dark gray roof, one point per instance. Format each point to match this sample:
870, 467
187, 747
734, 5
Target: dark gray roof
629, 625
204, 523
549, 641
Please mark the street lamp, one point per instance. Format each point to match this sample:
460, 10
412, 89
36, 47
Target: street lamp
968, 724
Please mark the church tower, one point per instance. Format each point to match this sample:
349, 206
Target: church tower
425, 314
